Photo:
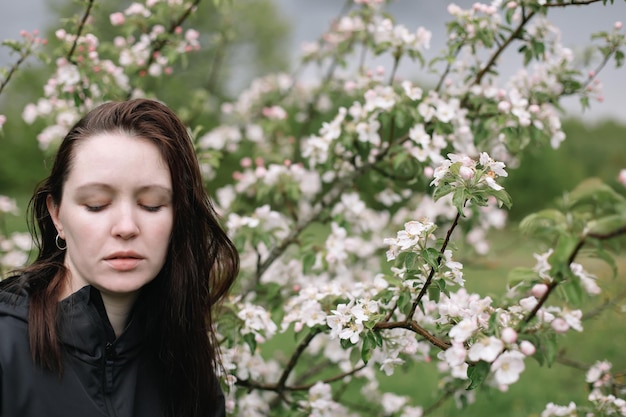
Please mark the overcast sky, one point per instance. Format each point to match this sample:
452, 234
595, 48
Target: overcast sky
309, 18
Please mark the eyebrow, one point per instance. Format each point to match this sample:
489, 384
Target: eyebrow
105, 187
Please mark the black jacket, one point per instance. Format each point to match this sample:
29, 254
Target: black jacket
102, 376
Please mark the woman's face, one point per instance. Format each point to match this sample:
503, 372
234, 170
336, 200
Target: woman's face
115, 214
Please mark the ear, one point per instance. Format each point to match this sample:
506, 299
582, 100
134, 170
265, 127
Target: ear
53, 209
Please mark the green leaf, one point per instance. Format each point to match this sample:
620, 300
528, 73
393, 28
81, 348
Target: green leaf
564, 248
442, 190
549, 219
367, 348
307, 262
572, 290
250, 339
431, 256
477, 374
433, 293
409, 260
404, 302
503, 198
549, 346
607, 225
458, 199
521, 274
593, 191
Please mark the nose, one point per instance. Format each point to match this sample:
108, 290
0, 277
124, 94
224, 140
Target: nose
125, 225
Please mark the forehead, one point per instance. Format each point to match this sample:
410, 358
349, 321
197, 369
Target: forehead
117, 157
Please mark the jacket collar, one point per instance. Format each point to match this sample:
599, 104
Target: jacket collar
85, 331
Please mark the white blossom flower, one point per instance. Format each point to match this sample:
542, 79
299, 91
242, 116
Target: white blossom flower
463, 330
587, 280
256, 320
507, 367
553, 410
542, 267
486, 349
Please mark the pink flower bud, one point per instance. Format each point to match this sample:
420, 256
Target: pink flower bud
511, 5
246, 162
622, 177
559, 325
509, 335
617, 25
527, 348
466, 172
117, 19
539, 290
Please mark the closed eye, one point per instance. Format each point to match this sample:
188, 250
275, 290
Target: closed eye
151, 209
94, 209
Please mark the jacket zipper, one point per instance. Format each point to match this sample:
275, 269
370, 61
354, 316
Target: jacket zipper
109, 360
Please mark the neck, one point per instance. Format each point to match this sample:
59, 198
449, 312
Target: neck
118, 308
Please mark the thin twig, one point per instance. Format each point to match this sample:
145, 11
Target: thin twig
604, 306
294, 358
446, 71
551, 286
13, 70
432, 270
571, 3
412, 325
514, 35
446, 395
79, 31
396, 64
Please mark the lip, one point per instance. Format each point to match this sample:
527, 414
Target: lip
123, 261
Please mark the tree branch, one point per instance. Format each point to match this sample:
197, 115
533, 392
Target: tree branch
571, 3
13, 70
514, 35
79, 31
412, 325
604, 306
294, 358
572, 257
432, 270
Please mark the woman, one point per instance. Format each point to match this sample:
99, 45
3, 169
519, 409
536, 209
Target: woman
114, 317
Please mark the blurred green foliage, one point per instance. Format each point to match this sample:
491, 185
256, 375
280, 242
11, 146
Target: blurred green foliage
590, 150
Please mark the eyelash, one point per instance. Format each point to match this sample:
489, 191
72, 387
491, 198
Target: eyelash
151, 209
96, 209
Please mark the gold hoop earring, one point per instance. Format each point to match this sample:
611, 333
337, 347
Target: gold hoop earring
57, 240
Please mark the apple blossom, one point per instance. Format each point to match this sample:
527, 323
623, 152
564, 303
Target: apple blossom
622, 177
560, 325
507, 367
508, 335
486, 349
539, 290
527, 348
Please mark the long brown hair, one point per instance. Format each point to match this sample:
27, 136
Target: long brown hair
200, 267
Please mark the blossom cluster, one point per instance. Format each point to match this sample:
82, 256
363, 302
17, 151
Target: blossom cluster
112, 64
14, 247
